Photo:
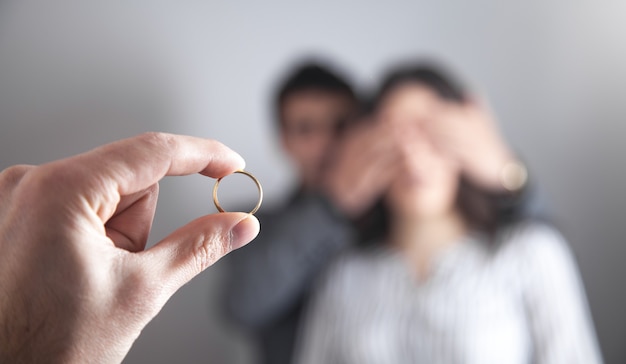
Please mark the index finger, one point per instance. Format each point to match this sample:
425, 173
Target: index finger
136, 163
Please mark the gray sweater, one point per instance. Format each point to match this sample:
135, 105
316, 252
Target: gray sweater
271, 278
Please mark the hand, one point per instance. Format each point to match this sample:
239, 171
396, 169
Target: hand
363, 167
469, 134
76, 283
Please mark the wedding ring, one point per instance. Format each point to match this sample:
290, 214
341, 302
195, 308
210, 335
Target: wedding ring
256, 182
513, 176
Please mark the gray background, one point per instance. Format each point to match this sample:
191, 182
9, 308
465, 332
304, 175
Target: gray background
76, 74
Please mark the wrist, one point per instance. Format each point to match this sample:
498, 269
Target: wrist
501, 173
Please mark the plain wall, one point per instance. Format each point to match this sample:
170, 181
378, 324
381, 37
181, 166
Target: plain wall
76, 74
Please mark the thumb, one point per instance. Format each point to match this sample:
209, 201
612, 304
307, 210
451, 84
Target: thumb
198, 245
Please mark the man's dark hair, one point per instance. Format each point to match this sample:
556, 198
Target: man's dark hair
308, 76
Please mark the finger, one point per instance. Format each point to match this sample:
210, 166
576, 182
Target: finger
374, 180
442, 134
367, 191
131, 165
374, 141
194, 247
130, 225
357, 153
362, 167
449, 126
137, 163
478, 102
358, 167
382, 172
452, 147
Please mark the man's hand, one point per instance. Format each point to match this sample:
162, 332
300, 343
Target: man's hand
469, 134
363, 167
76, 283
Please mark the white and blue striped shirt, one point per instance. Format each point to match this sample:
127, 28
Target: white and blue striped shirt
520, 303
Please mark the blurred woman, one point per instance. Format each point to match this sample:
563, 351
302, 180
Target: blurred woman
449, 281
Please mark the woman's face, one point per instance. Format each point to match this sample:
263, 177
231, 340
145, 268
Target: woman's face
428, 182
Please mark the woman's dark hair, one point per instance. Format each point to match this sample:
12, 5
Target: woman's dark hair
426, 74
479, 208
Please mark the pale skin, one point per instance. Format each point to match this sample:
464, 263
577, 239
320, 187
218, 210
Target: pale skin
76, 282
363, 167
470, 126
366, 161
309, 121
341, 169
422, 197
467, 132
439, 142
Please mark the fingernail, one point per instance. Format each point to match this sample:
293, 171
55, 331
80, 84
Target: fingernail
245, 230
242, 162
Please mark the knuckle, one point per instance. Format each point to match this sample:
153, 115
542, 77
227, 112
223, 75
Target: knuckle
152, 193
11, 176
212, 247
33, 190
48, 178
159, 140
52, 187
158, 145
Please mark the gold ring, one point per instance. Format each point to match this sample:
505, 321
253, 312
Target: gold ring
258, 186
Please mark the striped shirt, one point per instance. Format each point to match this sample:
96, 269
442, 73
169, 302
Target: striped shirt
522, 302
